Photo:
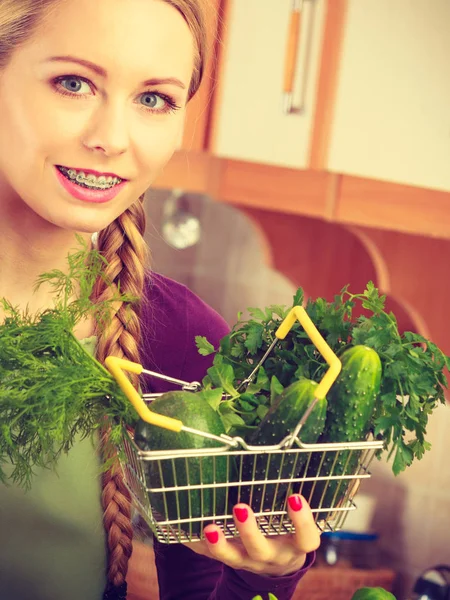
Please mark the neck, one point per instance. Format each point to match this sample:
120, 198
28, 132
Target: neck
30, 246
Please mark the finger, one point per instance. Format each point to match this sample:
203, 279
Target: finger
306, 535
221, 549
258, 547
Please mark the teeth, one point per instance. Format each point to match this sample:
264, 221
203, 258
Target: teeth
89, 179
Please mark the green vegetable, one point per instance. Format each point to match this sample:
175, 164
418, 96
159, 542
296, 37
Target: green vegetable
372, 593
413, 367
52, 390
351, 403
280, 421
195, 412
242, 411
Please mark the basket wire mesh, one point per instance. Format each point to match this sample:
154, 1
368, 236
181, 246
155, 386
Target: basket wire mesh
178, 492
169, 509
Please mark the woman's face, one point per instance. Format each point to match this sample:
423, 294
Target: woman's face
100, 89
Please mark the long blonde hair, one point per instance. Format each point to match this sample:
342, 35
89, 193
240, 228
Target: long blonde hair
122, 245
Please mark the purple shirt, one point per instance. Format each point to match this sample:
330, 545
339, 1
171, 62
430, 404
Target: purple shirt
172, 319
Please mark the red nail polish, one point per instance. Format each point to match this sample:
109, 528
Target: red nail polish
295, 503
241, 514
212, 536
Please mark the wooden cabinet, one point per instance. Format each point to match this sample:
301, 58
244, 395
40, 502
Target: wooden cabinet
391, 118
371, 80
262, 55
323, 257
371, 146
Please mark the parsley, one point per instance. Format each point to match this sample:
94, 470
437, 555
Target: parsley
413, 379
204, 347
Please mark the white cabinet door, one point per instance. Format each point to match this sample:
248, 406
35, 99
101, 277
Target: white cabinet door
250, 123
392, 111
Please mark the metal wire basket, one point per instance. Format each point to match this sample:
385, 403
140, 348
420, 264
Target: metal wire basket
178, 492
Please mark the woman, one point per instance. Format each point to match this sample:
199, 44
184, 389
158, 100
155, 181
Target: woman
92, 102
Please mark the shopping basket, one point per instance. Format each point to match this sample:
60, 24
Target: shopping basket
165, 503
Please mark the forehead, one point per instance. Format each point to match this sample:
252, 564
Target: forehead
126, 37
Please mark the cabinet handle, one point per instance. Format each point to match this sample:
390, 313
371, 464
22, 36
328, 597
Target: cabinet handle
290, 67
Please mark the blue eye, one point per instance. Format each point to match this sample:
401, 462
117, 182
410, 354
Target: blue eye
158, 103
150, 100
72, 84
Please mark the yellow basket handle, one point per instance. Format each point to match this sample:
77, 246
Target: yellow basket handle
298, 313
117, 366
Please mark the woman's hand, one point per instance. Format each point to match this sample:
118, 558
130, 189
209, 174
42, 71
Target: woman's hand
252, 551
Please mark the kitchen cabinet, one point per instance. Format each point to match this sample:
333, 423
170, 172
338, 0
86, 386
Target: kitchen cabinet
372, 79
269, 48
371, 146
391, 118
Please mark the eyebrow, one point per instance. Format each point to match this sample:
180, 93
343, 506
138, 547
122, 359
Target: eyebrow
101, 71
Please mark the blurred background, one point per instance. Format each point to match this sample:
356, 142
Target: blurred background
317, 154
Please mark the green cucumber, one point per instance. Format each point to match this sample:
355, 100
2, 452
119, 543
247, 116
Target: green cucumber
371, 593
194, 412
281, 420
351, 404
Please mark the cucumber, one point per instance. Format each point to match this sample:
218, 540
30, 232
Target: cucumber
281, 420
351, 404
194, 412
372, 593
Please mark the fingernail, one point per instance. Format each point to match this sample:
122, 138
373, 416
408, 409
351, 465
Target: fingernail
295, 503
241, 514
212, 536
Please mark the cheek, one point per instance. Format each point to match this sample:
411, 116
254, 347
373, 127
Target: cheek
65, 124
30, 130
157, 140
18, 125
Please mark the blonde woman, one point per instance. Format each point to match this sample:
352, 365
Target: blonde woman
92, 101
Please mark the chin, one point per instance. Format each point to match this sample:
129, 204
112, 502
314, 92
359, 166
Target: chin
88, 230
87, 224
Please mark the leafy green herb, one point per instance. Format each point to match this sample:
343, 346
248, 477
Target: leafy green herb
241, 411
413, 379
204, 347
52, 390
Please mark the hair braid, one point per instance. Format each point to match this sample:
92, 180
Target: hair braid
123, 246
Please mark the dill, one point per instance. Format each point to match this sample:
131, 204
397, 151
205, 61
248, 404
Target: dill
52, 391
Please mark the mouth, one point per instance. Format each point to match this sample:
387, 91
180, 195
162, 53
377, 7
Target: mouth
90, 179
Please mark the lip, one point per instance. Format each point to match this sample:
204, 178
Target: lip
93, 172
88, 195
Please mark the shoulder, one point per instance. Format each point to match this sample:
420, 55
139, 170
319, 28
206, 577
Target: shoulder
172, 316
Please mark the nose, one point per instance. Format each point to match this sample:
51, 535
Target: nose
108, 130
